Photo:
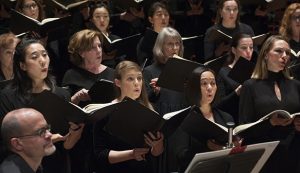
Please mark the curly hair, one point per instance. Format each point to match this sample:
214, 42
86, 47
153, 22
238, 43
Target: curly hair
285, 28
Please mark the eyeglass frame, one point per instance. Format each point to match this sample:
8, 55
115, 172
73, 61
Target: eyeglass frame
38, 133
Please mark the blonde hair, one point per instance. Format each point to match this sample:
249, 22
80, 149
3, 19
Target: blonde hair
165, 33
261, 69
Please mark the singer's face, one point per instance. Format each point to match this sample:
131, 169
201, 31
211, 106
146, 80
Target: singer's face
244, 48
30, 9
160, 19
295, 22
94, 55
208, 87
171, 47
130, 84
229, 11
101, 19
279, 55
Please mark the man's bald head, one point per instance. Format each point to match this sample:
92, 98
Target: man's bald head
15, 122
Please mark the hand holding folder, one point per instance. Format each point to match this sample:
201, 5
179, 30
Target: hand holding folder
127, 120
59, 112
176, 73
102, 91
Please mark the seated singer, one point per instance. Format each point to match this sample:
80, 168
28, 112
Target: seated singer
114, 155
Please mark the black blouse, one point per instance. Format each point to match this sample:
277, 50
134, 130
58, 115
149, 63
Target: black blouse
187, 146
258, 98
78, 78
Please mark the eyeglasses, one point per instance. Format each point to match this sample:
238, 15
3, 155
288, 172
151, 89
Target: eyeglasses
40, 132
30, 6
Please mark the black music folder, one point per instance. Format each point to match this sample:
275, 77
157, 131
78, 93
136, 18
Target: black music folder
249, 158
269, 6
21, 23
176, 73
124, 46
132, 120
58, 112
128, 120
124, 5
242, 70
148, 41
218, 35
103, 91
67, 6
196, 125
217, 63
191, 46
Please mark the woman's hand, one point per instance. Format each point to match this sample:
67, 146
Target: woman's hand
276, 120
297, 123
155, 88
74, 135
156, 142
58, 137
139, 153
81, 95
212, 145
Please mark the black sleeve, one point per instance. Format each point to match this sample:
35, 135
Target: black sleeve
100, 143
151, 94
209, 47
246, 106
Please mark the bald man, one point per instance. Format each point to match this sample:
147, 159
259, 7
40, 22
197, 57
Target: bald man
27, 135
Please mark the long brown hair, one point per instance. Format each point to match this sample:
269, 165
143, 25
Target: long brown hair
121, 69
261, 69
220, 8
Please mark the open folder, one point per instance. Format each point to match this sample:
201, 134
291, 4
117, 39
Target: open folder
67, 5
59, 112
21, 23
219, 35
132, 120
128, 120
124, 46
249, 158
242, 70
102, 91
176, 72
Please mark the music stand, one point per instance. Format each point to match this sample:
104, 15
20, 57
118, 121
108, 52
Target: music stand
251, 159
